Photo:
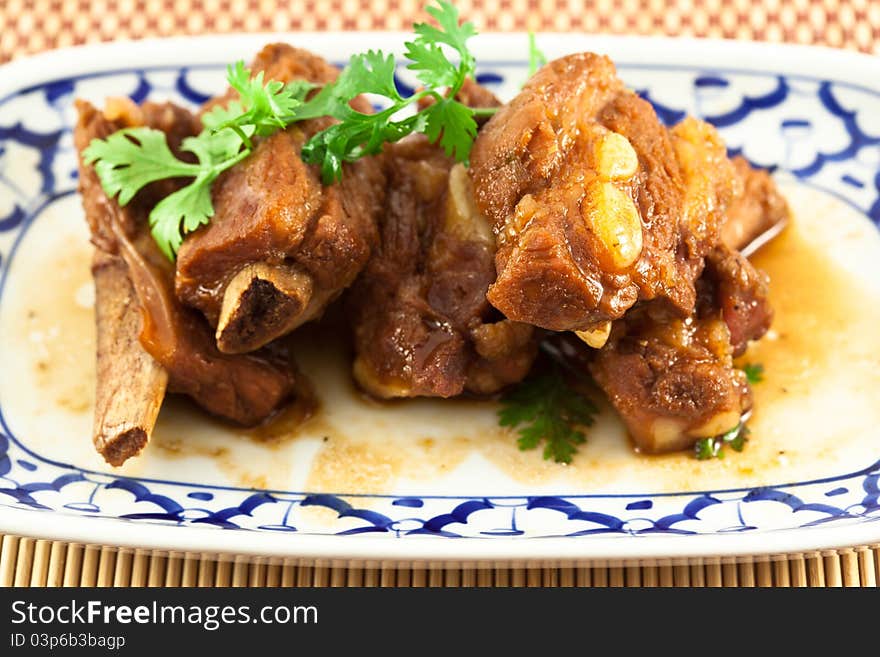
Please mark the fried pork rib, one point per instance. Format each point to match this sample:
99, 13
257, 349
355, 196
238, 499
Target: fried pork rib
595, 204
422, 324
243, 388
281, 245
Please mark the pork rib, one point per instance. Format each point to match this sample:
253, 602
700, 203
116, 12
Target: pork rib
281, 245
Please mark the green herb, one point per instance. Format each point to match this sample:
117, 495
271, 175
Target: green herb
445, 120
132, 158
536, 57
546, 408
708, 448
267, 107
754, 372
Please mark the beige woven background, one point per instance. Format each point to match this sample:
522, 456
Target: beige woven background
29, 26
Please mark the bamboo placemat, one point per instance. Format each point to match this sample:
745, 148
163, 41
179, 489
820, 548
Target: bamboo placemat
30, 562
29, 26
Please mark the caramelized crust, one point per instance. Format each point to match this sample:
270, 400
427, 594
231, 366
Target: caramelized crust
595, 204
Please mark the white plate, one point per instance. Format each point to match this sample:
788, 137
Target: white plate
364, 481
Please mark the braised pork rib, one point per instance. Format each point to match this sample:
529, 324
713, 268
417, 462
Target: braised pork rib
281, 245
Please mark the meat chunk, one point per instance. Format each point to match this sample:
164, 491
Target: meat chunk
422, 324
245, 388
281, 245
757, 213
595, 204
672, 380
740, 296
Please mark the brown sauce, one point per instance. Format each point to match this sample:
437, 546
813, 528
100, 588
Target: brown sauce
817, 305
824, 334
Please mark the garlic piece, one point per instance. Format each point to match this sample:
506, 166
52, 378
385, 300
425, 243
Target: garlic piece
615, 158
615, 220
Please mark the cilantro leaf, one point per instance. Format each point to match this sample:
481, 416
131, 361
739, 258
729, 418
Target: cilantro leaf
706, 448
432, 67
268, 106
444, 120
371, 72
453, 124
754, 372
191, 205
131, 159
546, 408
449, 32
713, 447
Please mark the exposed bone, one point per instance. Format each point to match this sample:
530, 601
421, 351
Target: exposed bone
130, 383
263, 302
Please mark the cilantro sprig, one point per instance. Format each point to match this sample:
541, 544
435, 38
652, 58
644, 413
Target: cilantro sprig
444, 120
132, 158
545, 408
710, 448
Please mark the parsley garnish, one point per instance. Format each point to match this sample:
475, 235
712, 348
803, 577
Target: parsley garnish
708, 448
546, 408
754, 372
131, 158
536, 57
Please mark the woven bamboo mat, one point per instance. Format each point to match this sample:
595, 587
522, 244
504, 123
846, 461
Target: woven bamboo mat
29, 562
29, 26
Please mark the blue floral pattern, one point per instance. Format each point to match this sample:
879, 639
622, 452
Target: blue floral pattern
839, 154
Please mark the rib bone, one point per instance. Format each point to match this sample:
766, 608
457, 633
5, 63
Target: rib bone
130, 383
261, 303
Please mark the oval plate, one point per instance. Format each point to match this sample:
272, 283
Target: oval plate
375, 483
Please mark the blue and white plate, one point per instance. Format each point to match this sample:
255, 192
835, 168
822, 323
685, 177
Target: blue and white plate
362, 480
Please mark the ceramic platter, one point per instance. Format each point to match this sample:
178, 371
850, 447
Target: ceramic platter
439, 479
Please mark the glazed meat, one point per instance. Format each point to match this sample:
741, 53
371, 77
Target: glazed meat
281, 245
671, 380
757, 213
740, 295
242, 388
422, 324
595, 204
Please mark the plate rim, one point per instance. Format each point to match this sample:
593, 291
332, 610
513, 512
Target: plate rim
168, 538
